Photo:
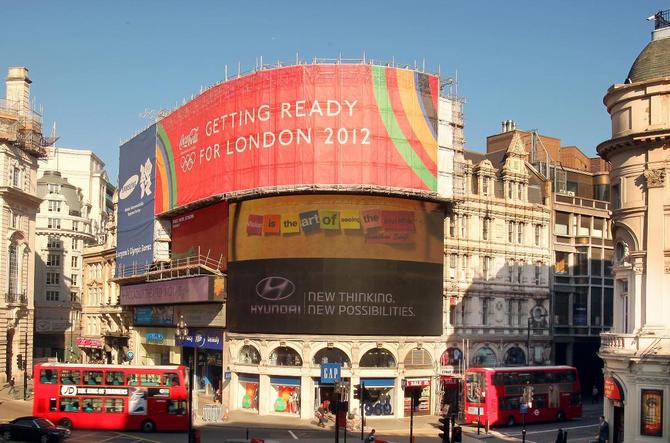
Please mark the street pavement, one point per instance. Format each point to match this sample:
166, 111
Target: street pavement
242, 426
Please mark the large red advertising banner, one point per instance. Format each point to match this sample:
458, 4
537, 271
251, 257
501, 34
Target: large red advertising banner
326, 125
203, 233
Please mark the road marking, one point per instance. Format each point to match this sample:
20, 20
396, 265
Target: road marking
135, 437
551, 430
293, 435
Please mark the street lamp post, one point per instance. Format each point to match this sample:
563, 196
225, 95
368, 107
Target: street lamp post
181, 333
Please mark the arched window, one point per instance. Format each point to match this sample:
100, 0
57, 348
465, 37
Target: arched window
484, 358
13, 275
418, 358
515, 356
378, 358
249, 355
451, 357
285, 356
331, 355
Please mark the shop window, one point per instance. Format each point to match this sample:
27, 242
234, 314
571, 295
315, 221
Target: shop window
93, 377
92, 405
285, 356
451, 357
286, 399
150, 379
114, 405
68, 377
484, 358
515, 356
378, 358
249, 355
48, 376
249, 394
176, 407
331, 355
171, 379
69, 404
418, 358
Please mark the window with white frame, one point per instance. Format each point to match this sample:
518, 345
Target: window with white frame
510, 232
452, 261
75, 225
74, 261
486, 266
16, 177
520, 271
486, 310
53, 295
54, 206
510, 270
53, 188
521, 189
519, 232
13, 263
14, 220
53, 223
53, 242
75, 244
53, 278
53, 260
73, 279
74, 297
538, 273
464, 226
510, 190
538, 234
452, 226
485, 186
486, 228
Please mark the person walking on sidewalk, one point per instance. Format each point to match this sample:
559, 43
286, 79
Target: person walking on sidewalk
594, 395
12, 386
371, 437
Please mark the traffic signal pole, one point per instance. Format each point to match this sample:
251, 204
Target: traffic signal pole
25, 363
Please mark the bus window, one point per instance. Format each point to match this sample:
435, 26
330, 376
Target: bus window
476, 386
150, 379
114, 405
571, 376
92, 405
114, 378
170, 379
52, 405
68, 377
93, 377
540, 401
48, 376
509, 403
176, 407
69, 404
133, 380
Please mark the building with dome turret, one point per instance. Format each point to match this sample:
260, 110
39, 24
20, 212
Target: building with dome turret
637, 350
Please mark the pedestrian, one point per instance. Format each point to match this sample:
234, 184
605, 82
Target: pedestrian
562, 436
12, 386
371, 437
603, 434
594, 395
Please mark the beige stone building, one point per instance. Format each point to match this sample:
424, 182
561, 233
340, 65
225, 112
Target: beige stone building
21, 144
497, 262
637, 351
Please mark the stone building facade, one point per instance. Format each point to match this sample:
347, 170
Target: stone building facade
21, 144
637, 350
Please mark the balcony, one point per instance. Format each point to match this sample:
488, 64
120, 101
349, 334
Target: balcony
16, 298
634, 346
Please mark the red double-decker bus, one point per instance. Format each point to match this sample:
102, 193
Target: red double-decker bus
494, 396
146, 398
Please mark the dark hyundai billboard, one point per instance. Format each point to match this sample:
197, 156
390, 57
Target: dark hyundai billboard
335, 264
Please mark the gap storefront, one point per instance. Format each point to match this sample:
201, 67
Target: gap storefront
205, 345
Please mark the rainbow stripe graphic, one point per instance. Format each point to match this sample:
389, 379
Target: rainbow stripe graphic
166, 179
408, 107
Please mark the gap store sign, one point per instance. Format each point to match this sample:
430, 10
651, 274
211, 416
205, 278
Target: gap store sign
204, 339
331, 373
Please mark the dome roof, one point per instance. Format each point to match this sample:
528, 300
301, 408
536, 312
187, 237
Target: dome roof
653, 62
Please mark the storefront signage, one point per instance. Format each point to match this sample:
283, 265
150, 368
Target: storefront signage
331, 373
612, 389
89, 343
154, 315
73, 391
205, 339
184, 290
154, 337
417, 382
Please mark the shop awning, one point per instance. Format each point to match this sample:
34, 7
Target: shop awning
285, 381
378, 382
248, 377
613, 389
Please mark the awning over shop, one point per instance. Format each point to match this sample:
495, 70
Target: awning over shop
613, 389
378, 382
248, 377
285, 381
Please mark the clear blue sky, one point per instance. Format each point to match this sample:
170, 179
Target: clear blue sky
97, 65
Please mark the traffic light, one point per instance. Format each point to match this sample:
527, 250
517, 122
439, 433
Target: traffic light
357, 392
457, 434
365, 394
444, 427
19, 361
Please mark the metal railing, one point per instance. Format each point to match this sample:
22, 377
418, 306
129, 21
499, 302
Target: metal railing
174, 265
16, 298
662, 19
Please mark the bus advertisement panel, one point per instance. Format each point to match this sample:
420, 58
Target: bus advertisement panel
117, 397
321, 124
311, 264
507, 396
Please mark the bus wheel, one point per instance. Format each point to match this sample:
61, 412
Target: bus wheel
510, 421
148, 426
560, 416
66, 423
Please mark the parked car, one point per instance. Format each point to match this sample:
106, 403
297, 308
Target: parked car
34, 429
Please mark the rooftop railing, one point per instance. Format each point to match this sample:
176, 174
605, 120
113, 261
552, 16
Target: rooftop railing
662, 19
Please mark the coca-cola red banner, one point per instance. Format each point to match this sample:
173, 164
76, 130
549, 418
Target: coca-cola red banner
326, 125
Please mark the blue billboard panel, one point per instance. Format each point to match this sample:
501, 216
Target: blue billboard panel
137, 160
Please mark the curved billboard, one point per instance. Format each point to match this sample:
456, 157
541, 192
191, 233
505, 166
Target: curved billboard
335, 264
324, 125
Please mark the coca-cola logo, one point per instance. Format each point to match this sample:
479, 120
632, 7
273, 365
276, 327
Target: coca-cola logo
190, 139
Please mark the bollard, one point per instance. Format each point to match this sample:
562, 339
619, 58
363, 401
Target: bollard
196, 435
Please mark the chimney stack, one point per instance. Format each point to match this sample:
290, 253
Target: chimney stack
18, 88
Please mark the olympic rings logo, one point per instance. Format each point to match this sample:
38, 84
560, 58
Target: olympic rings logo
187, 162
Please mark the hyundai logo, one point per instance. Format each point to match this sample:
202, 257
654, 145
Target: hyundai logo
275, 288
